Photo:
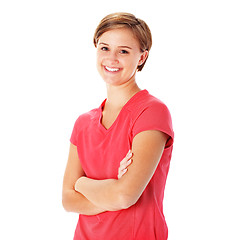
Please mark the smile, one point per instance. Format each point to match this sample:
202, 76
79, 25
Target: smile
111, 69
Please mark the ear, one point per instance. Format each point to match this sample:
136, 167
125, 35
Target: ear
143, 57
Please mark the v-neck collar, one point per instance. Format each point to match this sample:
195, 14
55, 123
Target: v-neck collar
133, 98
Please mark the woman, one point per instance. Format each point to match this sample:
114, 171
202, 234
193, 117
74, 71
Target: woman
120, 152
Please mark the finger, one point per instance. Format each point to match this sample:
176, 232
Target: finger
127, 157
128, 163
121, 173
129, 154
125, 164
124, 160
123, 168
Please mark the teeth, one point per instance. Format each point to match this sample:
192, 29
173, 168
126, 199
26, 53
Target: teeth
112, 69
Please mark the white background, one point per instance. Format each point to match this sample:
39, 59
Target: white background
48, 78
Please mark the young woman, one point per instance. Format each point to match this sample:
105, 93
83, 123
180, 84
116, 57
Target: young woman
120, 152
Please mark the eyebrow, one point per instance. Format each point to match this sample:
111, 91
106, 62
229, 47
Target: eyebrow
118, 46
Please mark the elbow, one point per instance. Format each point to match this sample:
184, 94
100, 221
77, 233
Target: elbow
126, 201
65, 203
126, 197
120, 201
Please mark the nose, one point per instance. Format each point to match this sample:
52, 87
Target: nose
112, 58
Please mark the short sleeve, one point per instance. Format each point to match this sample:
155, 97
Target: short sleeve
155, 117
74, 135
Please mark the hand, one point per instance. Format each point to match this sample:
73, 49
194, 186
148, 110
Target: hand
124, 164
76, 185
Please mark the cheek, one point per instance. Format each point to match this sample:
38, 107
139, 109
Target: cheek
133, 63
98, 60
99, 54
97, 57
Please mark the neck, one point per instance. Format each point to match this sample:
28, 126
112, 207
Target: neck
118, 96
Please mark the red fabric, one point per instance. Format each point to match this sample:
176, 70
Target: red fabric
100, 151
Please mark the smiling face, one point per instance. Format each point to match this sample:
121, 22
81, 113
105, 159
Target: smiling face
118, 56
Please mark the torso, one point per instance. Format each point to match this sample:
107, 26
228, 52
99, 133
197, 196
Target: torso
100, 151
111, 111
109, 117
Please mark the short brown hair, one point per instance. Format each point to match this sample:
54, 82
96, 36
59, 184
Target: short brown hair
118, 20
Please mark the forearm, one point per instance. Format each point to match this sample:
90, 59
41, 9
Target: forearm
75, 202
102, 193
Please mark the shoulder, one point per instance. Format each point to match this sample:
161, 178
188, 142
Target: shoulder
156, 104
149, 113
89, 115
150, 104
83, 122
85, 118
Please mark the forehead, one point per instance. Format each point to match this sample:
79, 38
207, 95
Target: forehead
119, 37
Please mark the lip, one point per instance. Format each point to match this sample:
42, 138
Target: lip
115, 69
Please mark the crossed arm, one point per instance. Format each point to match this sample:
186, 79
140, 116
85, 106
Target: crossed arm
88, 196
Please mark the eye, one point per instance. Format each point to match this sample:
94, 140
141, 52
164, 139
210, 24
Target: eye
124, 52
104, 49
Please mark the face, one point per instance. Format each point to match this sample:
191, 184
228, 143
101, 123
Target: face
118, 56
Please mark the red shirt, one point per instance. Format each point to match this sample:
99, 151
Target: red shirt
100, 151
